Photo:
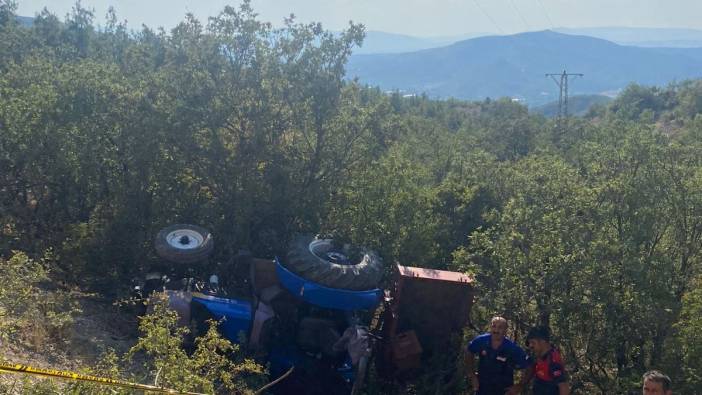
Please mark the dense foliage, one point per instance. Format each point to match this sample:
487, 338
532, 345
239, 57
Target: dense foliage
107, 135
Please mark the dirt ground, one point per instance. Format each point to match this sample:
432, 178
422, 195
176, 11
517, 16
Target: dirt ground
101, 325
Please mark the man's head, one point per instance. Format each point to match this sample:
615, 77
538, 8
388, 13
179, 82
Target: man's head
539, 340
656, 383
498, 328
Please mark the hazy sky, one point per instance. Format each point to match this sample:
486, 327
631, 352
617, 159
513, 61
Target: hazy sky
414, 17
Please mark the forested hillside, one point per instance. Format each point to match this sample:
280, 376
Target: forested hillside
108, 135
577, 105
514, 66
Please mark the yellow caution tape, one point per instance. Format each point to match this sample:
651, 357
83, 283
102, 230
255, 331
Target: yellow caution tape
60, 374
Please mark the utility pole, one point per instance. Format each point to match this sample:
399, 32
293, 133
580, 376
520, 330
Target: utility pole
562, 83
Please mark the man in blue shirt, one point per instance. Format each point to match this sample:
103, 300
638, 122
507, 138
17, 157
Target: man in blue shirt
499, 357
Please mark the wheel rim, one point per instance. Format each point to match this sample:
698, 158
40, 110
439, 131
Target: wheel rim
185, 239
325, 249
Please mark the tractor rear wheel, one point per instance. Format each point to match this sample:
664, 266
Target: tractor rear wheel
323, 262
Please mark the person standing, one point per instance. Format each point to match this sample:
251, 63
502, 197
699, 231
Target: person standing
498, 358
550, 377
656, 383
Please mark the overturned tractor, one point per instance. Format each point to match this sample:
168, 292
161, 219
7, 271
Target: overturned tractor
320, 310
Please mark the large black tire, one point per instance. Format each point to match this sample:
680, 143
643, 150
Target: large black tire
183, 243
308, 258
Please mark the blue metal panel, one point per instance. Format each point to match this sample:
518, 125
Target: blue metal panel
236, 313
331, 298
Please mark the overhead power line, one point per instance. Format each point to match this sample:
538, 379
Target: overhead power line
488, 17
528, 27
550, 22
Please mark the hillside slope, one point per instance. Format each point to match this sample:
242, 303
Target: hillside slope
515, 65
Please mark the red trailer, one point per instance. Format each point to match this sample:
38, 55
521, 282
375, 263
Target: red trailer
423, 309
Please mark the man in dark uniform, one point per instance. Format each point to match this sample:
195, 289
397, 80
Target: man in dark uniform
499, 357
549, 371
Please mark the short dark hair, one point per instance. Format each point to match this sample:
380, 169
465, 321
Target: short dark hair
539, 332
658, 377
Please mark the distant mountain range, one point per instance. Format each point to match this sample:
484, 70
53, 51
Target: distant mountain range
641, 36
514, 66
25, 20
382, 42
